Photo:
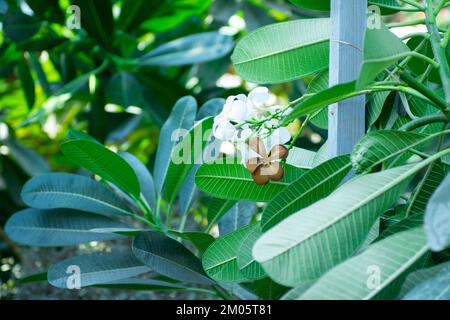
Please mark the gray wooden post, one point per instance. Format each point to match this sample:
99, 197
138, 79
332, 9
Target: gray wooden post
346, 119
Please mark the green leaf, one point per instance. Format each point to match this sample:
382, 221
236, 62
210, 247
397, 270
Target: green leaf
220, 259
237, 217
182, 117
19, 26
318, 84
97, 19
324, 5
310, 242
309, 188
419, 277
379, 146
298, 48
322, 99
144, 176
95, 268
58, 227
26, 80
168, 257
433, 177
247, 264
36, 277
192, 49
435, 288
389, 260
28, 159
71, 191
381, 49
217, 209
80, 135
319, 5
103, 162
210, 108
234, 182
125, 90
437, 217
375, 106
185, 155
200, 240
142, 284
301, 158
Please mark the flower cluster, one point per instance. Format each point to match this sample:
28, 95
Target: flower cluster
245, 117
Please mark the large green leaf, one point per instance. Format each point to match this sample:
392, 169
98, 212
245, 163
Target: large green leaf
234, 182
58, 227
168, 257
375, 106
433, 177
437, 287
429, 284
283, 51
144, 176
19, 26
301, 158
237, 217
27, 82
95, 268
65, 190
379, 146
319, 5
220, 259
314, 185
381, 49
185, 155
103, 162
247, 264
377, 273
200, 240
182, 117
125, 90
142, 284
310, 242
192, 49
217, 209
322, 99
318, 84
437, 217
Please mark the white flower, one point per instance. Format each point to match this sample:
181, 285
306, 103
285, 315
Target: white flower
236, 109
259, 96
223, 129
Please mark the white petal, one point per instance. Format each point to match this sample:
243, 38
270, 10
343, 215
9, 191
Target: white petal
223, 129
259, 95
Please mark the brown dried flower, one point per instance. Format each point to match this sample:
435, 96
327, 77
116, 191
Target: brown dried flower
266, 167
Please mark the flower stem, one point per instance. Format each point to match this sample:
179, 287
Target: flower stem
420, 122
300, 130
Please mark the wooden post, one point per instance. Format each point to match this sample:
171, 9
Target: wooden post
346, 119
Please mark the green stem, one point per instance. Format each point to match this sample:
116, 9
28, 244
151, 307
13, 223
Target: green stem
444, 42
425, 91
300, 130
441, 5
438, 51
420, 122
424, 58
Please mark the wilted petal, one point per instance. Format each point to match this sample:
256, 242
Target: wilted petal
257, 145
252, 164
276, 171
278, 152
260, 178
